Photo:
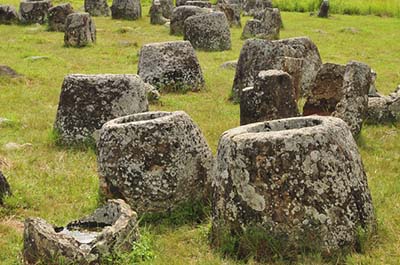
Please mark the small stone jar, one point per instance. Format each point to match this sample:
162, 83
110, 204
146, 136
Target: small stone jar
299, 181
154, 160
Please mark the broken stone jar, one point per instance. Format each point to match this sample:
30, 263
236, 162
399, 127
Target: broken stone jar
154, 161
299, 181
113, 227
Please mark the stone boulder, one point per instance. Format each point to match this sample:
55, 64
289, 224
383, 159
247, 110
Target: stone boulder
266, 25
167, 7
384, 109
88, 101
156, 14
251, 7
34, 11
232, 13
58, 16
180, 14
126, 9
298, 182
8, 15
5, 189
326, 91
97, 8
353, 106
272, 97
170, 66
297, 56
111, 228
209, 32
8, 71
80, 30
324, 9
202, 4
154, 161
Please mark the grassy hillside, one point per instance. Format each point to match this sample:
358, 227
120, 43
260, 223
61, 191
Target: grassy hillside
61, 184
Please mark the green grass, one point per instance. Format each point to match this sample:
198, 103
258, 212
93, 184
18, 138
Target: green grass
61, 184
349, 7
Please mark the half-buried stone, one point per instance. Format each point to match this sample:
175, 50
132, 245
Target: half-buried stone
155, 161
88, 101
111, 228
265, 25
8, 14
298, 182
34, 11
5, 189
80, 30
126, 9
170, 66
209, 32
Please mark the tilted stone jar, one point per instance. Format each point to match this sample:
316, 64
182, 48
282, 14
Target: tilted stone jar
154, 160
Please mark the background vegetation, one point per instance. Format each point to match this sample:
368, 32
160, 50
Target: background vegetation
61, 184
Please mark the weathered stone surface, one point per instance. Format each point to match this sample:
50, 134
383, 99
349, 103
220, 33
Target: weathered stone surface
80, 30
266, 25
154, 160
8, 71
297, 56
324, 9
327, 90
352, 108
232, 13
34, 11
153, 94
251, 7
97, 8
156, 14
180, 14
5, 189
202, 4
167, 7
126, 9
58, 15
8, 14
208, 32
384, 109
113, 227
88, 101
300, 181
171, 66
373, 92
229, 65
272, 97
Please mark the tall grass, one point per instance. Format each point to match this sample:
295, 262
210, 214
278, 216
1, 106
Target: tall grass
350, 7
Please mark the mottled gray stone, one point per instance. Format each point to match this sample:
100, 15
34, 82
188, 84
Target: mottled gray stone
229, 65
80, 30
300, 181
34, 11
373, 92
8, 14
266, 25
8, 71
154, 160
5, 189
297, 56
88, 101
156, 14
326, 91
272, 97
209, 32
113, 227
126, 9
384, 109
232, 13
153, 94
202, 4
251, 7
170, 66
167, 7
180, 14
97, 8
58, 15
352, 107
324, 9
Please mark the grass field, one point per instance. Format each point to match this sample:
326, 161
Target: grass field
61, 184
350, 7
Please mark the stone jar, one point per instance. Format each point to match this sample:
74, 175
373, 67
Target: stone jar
154, 160
34, 11
58, 15
300, 181
80, 30
112, 227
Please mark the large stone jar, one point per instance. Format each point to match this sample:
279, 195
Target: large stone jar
299, 182
154, 160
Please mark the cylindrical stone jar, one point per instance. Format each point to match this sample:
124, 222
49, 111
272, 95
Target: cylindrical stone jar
154, 160
300, 181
